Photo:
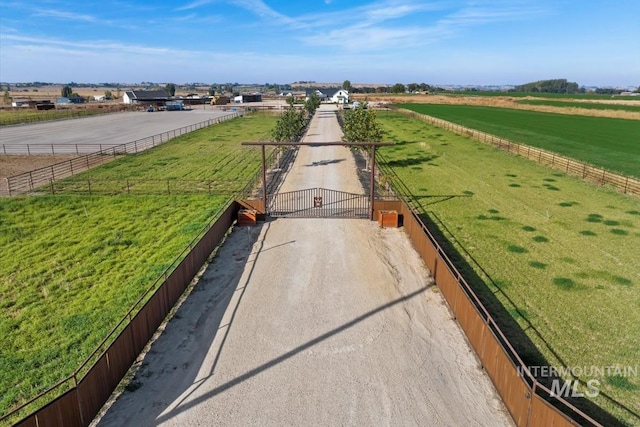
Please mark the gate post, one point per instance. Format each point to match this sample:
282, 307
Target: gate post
264, 183
372, 193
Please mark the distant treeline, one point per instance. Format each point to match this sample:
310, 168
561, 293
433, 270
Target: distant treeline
550, 86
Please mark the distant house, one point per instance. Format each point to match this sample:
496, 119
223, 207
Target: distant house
321, 95
145, 96
340, 97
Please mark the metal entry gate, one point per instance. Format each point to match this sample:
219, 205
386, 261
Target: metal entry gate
318, 203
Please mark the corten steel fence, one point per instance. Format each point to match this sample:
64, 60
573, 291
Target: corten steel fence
595, 175
76, 400
29, 181
530, 403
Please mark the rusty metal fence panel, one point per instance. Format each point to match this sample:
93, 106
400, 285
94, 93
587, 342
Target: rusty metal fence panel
62, 412
543, 414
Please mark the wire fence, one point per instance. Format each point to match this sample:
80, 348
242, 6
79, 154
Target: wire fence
53, 149
29, 181
17, 116
621, 183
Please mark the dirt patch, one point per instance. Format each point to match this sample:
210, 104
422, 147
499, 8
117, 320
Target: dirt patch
505, 102
15, 165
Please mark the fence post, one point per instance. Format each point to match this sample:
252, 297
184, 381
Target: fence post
89, 185
53, 153
626, 183
128, 190
51, 187
168, 188
28, 150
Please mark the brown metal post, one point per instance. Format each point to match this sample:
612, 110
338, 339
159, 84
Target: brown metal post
264, 182
372, 194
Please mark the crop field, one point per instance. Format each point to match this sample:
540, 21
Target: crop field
604, 142
587, 105
550, 252
72, 265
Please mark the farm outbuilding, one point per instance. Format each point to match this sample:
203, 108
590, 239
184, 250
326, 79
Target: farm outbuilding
248, 97
63, 100
145, 96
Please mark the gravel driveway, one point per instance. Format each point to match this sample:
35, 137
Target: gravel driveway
312, 322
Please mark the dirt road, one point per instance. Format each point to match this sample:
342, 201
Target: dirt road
312, 322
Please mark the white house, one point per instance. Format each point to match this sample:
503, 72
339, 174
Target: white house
340, 97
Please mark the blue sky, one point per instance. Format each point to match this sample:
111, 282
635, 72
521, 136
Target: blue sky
591, 42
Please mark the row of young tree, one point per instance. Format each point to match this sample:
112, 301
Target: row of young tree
359, 124
293, 121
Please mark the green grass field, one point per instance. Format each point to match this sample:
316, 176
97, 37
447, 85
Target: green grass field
71, 266
211, 154
608, 143
577, 96
560, 255
585, 105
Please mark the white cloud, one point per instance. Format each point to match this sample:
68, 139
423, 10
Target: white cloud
86, 47
194, 5
61, 14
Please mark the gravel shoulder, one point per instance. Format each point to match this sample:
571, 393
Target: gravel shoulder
312, 322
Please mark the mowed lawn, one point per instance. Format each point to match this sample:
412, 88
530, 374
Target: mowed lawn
559, 254
71, 266
613, 144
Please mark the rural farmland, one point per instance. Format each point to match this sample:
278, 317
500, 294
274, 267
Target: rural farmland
605, 142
